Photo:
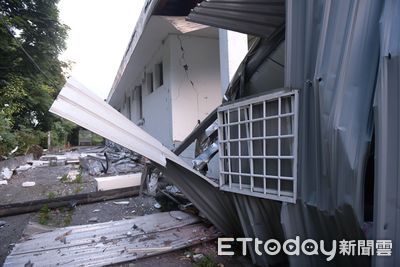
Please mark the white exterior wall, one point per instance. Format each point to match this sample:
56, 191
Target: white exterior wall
157, 111
193, 103
233, 48
156, 106
171, 112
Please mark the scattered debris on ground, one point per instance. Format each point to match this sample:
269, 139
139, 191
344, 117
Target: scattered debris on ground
57, 181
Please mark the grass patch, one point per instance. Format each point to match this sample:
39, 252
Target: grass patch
64, 178
44, 215
51, 195
79, 178
206, 261
68, 217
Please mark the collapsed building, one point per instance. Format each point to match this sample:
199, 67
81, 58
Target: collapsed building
307, 135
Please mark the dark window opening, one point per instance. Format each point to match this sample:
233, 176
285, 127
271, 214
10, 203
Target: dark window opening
140, 102
129, 108
149, 81
369, 183
159, 75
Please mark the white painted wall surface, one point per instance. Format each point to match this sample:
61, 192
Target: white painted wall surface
171, 111
193, 103
233, 47
157, 111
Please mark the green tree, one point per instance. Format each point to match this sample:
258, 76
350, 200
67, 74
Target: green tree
31, 75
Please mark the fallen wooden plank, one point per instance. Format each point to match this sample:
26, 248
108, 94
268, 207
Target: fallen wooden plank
112, 242
119, 181
85, 198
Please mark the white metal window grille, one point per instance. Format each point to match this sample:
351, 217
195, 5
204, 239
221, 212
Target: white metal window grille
258, 146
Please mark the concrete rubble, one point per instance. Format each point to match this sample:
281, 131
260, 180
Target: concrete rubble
111, 159
97, 161
6, 173
28, 184
23, 168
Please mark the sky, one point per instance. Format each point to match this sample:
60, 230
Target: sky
98, 37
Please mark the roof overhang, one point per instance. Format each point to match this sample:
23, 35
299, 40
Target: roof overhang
156, 30
158, 19
256, 17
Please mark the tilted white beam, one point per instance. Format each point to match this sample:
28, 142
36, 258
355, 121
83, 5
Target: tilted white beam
83, 107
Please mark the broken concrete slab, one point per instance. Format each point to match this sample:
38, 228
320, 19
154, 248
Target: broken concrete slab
3, 182
6, 173
23, 168
13, 163
28, 184
72, 161
120, 181
39, 163
93, 220
54, 160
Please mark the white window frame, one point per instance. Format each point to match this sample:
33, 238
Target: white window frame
225, 142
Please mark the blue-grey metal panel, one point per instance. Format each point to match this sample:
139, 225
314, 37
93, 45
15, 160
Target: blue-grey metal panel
387, 145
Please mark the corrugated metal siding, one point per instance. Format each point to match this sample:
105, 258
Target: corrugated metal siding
259, 17
387, 113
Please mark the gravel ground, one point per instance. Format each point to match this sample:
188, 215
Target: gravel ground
47, 185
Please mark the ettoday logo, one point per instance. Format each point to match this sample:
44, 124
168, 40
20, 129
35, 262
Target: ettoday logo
293, 247
274, 247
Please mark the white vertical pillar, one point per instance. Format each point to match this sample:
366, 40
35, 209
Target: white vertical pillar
49, 140
233, 48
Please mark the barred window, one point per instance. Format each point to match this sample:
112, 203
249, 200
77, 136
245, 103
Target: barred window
258, 146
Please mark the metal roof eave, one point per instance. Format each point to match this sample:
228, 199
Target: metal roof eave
260, 18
